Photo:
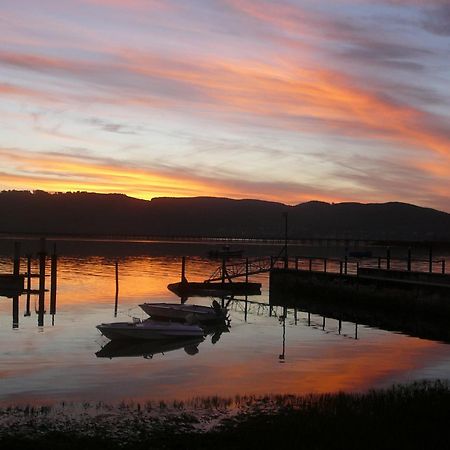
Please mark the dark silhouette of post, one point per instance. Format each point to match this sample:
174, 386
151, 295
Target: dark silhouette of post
16, 269
42, 260
245, 308
116, 302
27, 310
15, 311
388, 258
443, 267
53, 281
246, 270
183, 269
224, 269
409, 259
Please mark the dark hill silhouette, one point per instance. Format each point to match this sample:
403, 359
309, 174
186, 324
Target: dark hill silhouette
115, 214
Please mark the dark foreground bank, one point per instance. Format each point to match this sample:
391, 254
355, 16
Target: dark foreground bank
415, 417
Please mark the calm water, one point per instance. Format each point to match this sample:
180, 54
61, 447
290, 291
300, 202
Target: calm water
58, 361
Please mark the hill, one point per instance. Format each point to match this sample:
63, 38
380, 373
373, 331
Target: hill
84, 213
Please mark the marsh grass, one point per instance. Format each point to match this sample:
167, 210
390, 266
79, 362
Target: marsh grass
415, 416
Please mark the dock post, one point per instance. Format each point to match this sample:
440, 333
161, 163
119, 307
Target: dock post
42, 260
246, 270
340, 267
15, 303
443, 266
325, 265
430, 259
309, 319
53, 278
183, 269
345, 264
116, 302
310, 264
296, 263
16, 269
246, 308
409, 259
340, 325
379, 262
286, 257
388, 258
323, 323
28, 272
271, 262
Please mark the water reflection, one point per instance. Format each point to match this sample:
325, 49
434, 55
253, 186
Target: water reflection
318, 346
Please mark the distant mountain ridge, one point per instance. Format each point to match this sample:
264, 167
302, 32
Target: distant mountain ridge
84, 213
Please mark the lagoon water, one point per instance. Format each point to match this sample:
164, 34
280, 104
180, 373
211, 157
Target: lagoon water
58, 362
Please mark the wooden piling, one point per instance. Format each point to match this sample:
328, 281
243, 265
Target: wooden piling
310, 264
28, 272
409, 260
16, 269
388, 258
296, 263
53, 278
42, 260
443, 266
15, 305
246, 270
246, 309
116, 301
183, 269
325, 265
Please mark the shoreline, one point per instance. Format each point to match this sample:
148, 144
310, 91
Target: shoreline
410, 415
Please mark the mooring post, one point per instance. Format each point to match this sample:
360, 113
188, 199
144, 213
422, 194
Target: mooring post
42, 260
340, 267
116, 300
388, 258
340, 326
296, 263
356, 330
16, 269
28, 272
379, 262
53, 278
325, 265
310, 264
183, 269
409, 259
323, 323
430, 259
246, 270
443, 266
271, 262
309, 319
15, 303
246, 308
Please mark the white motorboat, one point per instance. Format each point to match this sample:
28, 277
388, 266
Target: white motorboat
149, 329
190, 313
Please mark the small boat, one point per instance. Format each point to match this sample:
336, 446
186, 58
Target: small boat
225, 252
208, 289
149, 329
190, 313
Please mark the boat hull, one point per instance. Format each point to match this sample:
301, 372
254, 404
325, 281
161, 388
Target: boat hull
172, 311
190, 289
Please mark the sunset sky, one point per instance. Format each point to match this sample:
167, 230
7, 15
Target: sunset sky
334, 100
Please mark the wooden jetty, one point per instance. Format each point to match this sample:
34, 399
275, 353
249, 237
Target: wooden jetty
386, 284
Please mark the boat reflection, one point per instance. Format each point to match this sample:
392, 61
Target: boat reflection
147, 349
118, 348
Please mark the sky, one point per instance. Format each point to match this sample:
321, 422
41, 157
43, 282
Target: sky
289, 101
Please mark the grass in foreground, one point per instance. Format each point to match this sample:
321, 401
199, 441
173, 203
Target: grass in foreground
415, 416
